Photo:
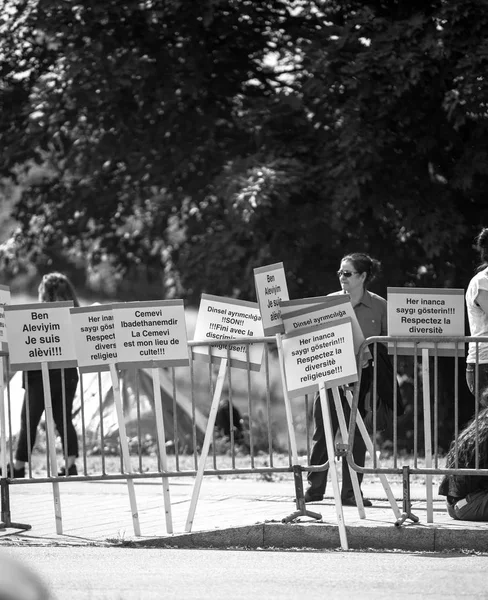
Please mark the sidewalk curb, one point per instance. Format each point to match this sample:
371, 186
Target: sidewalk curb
324, 536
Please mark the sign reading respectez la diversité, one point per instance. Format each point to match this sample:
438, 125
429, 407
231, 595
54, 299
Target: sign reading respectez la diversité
426, 313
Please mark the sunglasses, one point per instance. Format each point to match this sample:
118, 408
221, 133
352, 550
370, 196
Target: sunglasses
346, 274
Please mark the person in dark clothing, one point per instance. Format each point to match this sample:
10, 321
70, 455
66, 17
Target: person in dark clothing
54, 287
356, 272
467, 495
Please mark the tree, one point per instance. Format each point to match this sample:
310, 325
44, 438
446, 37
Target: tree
194, 142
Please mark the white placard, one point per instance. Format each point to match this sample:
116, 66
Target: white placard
315, 354
225, 318
426, 313
332, 309
271, 290
291, 306
151, 334
40, 333
4, 299
94, 337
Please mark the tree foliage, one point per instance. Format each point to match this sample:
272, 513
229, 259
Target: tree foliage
190, 142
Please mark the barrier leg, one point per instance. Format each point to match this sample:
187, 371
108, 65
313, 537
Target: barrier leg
6, 522
370, 449
302, 510
407, 505
206, 443
329, 439
52, 446
344, 434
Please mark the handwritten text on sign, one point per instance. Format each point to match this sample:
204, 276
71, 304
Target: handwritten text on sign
40, 333
317, 354
225, 318
271, 290
94, 336
151, 333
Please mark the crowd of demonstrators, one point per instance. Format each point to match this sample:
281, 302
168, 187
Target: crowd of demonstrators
356, 273
54, 287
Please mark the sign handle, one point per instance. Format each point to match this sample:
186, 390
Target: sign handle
344, 434
48, 407
162, 445
370, 449
3, 427
124, 444
329, 439
427, 433
206, 443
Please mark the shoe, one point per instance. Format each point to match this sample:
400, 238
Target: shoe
311, 498
71, 471
351, 501
18, 473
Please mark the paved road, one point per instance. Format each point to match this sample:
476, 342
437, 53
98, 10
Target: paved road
127, 573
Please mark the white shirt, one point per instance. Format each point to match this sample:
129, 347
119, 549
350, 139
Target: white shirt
478, 319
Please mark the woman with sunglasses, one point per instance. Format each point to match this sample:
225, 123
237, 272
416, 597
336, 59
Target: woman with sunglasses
356, 273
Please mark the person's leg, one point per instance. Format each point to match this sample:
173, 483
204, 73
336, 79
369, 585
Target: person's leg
359, 456
472, 508
34, 397
317, 480
359, 446
60, 414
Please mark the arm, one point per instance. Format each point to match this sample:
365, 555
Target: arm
482, 300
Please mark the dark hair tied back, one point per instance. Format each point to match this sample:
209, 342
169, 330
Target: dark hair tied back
363, 263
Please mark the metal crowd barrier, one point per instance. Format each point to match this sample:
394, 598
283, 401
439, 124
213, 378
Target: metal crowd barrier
260, 445
257, 444
421, 368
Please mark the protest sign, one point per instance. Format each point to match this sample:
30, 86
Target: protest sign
319, 354
331, 309
94, 337
151, 334
290, 306
426, 313
271, 290
40, 333
227, 319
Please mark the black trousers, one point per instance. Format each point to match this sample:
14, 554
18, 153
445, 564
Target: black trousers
318, 479
35, 397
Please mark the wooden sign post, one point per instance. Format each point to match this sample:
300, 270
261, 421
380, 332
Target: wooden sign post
40, 338
323, 357
223, 318
299, 314
152, 334
94, 335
